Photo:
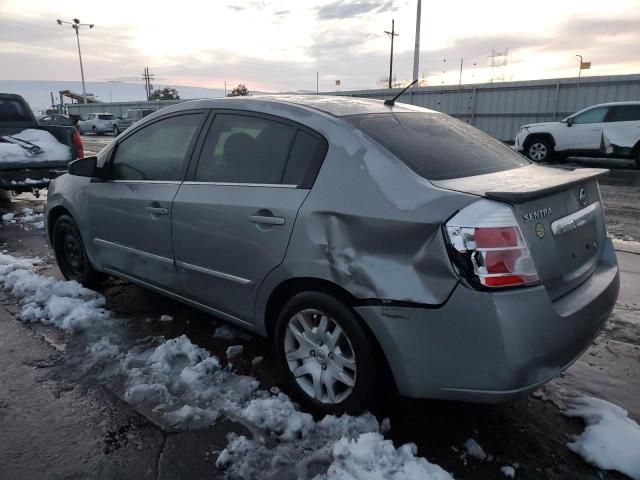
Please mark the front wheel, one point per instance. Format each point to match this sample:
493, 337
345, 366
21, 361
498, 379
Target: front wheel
116, 131
71, 254
94, 130
539, 150
325, 353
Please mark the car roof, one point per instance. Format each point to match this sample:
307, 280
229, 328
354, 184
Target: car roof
337, 106
615, 104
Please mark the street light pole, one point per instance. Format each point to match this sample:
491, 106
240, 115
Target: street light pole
416, 49
579, 71
76, 26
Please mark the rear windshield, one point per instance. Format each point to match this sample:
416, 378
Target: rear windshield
12, 110
106, 117
437, 146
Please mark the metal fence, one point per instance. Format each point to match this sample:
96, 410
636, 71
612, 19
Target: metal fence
117, 108
496, 108
501, 108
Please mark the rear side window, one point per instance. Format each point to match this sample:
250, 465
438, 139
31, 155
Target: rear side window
245, 149
624, 113
437, 146
157, 151
106, 117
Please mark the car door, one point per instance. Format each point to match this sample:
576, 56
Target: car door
130, 213
233, 217
583, 131
622, 130
85, 125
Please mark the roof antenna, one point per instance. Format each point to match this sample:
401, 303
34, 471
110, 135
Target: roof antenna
392, 102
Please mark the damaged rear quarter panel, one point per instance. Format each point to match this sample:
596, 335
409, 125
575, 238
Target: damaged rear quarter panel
371, 226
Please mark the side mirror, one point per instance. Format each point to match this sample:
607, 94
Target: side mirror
85, 167
569, 122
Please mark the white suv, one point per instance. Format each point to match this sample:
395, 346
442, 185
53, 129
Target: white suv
605, 130
98, 123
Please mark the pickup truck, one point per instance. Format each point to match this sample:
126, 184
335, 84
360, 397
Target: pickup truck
31, 155
131, 117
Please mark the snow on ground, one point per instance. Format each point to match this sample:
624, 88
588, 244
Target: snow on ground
53, 150
611, 440
185, 387
508, 471
474, 449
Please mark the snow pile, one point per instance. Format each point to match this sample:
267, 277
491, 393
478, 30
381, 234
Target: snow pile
611, 439
371, 456
508, 471
185, 387
289, 443
53, 150
474, 449
65, 305
234, 351
183, 382
7, 217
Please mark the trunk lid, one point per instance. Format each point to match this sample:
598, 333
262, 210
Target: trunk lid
559, 212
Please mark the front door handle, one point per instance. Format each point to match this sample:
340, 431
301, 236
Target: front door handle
157, 210
266, 219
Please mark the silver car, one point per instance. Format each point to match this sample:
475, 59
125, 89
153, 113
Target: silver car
362, 237
98, 124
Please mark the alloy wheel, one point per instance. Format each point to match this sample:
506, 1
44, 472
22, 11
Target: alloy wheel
320, 356
538, 151
73, 253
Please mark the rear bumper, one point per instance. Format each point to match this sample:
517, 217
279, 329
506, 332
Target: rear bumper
27, 179
493, 347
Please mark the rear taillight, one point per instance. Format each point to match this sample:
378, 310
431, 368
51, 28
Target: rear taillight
487, 246
77, 142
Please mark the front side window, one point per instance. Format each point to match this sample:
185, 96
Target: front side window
595, 115
624, 113
245, 149
156, 152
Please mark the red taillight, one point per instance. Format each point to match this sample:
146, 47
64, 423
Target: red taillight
77, 142
488, 246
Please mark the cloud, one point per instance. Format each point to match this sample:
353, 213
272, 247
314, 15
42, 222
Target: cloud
342, 9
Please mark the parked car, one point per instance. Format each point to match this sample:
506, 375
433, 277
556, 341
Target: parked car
605, 130
31, 153
98, 123
361, 237
131, 117
55, 119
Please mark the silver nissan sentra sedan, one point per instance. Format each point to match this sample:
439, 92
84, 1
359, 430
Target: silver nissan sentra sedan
362, 237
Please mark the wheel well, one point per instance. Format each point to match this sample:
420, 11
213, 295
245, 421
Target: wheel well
287, 289
54, 215
534, 136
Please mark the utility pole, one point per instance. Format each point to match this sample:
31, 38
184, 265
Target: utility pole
416, 49
225, 89
148, 86
460, 78
317, 82
76, 26
392, 34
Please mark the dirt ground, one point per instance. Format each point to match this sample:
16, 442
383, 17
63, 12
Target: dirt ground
60, 421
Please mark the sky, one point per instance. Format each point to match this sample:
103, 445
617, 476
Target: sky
279, 45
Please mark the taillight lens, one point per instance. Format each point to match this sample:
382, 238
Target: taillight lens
77, 142
488, 248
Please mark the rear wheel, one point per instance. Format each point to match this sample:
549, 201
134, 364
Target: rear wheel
637, 158
539, 150
116, 131
94, 130
325, 353
71, 255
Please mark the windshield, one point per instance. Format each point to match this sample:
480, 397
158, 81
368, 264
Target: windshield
106, 117
437, 146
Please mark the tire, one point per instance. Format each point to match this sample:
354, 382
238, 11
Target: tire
116, 131
94, 130
71, 254
324, 384
539, 150
637, 158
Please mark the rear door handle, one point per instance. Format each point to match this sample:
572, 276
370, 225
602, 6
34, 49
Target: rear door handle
157, 210
266, 219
